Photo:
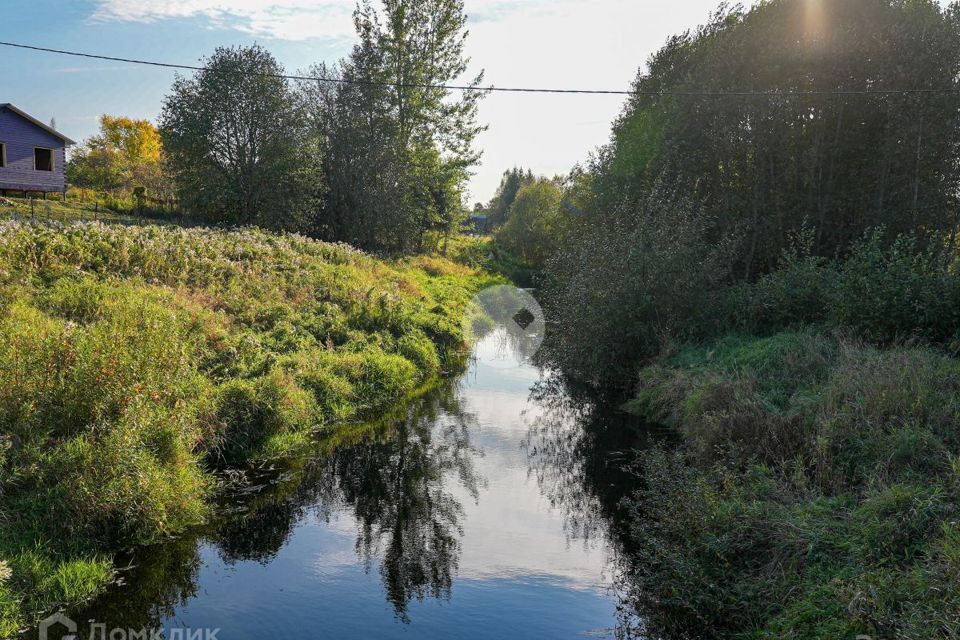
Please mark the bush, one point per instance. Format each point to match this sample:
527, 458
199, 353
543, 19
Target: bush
814, 494
885, 293
650, 274
252, 412
899, 292
799, 291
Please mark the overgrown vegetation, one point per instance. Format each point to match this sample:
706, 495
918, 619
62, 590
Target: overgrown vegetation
815, 495
781, 273
134, 360
705, 193
814, 492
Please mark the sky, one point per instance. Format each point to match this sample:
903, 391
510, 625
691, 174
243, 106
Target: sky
585, 44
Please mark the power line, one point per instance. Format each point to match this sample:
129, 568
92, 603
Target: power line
454, 87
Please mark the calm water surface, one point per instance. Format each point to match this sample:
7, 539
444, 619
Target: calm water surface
477, 511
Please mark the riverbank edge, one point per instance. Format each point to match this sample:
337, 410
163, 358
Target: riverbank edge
58, 585
814, 492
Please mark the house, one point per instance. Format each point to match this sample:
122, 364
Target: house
32, 154
479, 223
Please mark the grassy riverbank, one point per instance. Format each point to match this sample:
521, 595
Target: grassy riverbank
134, 360
815, 494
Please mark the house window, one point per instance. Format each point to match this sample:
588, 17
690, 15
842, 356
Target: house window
42, 159
3, 155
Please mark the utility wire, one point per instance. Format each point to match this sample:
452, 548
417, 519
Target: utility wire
454, 87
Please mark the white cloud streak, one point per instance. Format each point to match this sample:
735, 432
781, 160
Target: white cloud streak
281, 19
293, 20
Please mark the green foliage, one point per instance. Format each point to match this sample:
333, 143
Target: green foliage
253, 412
703, 216
234, 139
886, 292
814, 495
904, 290
842, 163
621, 290
536, 225
498, 209
396, 146
133, 360
800, 290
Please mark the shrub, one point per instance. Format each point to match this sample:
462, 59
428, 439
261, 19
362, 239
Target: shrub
799, 291
418, 349
814, 494
252, 412
899, 292
650, 274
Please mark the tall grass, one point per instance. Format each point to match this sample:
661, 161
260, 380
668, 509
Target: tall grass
133, 360
815, 495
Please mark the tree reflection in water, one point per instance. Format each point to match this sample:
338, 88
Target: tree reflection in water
580, 452
394, 477
406, 515
400, 482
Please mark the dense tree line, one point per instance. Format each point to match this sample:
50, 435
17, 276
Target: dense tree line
373, 152
764, 165
702, 186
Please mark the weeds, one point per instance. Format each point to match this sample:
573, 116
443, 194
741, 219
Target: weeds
815, 495
135, 359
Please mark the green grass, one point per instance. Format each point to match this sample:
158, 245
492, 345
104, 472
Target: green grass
483, 252
134, 360
53, 208
815, 494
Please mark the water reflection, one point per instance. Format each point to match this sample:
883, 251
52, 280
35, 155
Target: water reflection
407, 518
581, 454
393, 477
476, 511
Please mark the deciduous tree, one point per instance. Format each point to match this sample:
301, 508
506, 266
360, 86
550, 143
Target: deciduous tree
236, 142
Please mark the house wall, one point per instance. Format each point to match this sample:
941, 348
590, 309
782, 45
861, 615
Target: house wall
20, 137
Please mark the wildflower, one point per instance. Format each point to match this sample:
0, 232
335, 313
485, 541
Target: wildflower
5, 572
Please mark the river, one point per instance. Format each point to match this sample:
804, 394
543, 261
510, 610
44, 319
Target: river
479, 510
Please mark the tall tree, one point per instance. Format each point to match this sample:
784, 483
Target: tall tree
836, 116
511, 183
398, 145
235, 138
536, 224
800, 152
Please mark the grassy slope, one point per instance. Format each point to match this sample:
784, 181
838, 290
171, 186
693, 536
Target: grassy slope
135, 359
816, 494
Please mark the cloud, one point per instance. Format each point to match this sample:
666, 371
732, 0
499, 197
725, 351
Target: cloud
282, 19
290, 19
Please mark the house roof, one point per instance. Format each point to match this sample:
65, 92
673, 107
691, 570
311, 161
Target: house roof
32, 120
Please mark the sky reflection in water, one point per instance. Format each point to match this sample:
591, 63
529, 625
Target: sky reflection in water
466, 516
